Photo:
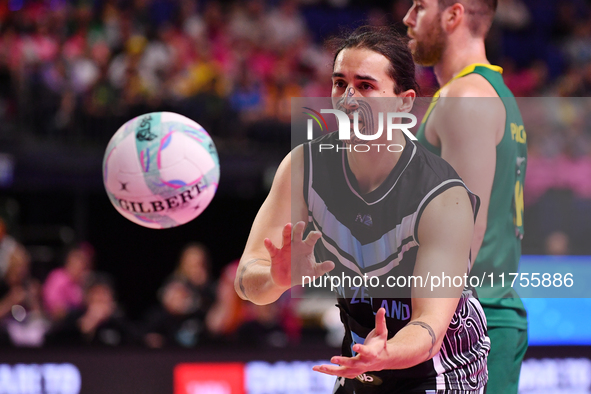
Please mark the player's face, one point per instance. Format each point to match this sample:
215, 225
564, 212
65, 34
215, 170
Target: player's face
77, 264
364, 70
100, 294
424, 28
194, 266
361, 84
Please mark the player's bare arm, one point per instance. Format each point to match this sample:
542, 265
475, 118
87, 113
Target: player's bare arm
254, 281
468, 126
276, 239
445, 232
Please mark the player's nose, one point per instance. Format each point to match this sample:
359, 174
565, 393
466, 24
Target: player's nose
350, 98
408, 19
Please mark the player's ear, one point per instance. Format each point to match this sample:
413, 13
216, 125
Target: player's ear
407, 99
452, 16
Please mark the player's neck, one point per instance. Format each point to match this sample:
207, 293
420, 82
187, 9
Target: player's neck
457, 56
372, 168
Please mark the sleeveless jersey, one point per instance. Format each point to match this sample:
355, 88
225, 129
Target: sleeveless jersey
376, 234
501, 247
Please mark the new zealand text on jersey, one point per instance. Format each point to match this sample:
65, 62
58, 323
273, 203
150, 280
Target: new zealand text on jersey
395, 309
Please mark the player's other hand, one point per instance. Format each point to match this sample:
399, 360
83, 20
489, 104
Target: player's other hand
294, 259
373, 355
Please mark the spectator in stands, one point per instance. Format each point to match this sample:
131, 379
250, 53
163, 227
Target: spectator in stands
99, 322
263, 327
512, 14
8, 246
247, 21
232, 319
176, 321
185, 300
227, 313
247, 96
63, 289
578, 46
194, 270
527, 82
557, 244
21, 315
273, 325
285, 25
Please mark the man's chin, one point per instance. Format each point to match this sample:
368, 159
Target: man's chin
424, 63
422, 60
426, 54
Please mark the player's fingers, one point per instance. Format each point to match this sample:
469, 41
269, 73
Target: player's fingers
345, 361
270, 247
312, 238
286, 234
381, 327
298, 231
322, 268
363, 351
335, 370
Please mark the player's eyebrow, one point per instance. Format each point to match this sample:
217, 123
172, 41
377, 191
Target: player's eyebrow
357, 76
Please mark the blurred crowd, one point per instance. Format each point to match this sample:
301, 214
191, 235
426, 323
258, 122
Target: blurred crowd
557, 192
84, 68
80, 69
76, 305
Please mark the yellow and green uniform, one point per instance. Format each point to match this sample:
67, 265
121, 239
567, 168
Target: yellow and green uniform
501, 247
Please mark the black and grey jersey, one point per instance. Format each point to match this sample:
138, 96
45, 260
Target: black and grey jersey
375, 234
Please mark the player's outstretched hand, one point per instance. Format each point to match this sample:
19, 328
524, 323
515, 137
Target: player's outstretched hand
295, 258
373, 355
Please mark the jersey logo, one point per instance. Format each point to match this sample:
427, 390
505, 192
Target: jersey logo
370, 379
364, 219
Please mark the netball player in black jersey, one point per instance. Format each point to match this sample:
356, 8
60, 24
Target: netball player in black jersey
418, 218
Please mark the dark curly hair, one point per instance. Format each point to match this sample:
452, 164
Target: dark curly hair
387, 42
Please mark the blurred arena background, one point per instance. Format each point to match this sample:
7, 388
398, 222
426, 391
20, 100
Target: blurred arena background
92, 303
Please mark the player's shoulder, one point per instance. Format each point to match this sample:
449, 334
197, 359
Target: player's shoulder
455, 194
435, 184
471, 85
465, 102
312, 150
290, 171
296, 152
295, 158
324, 139
323, 148
451, 206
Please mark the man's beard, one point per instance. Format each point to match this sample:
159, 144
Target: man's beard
429, 50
